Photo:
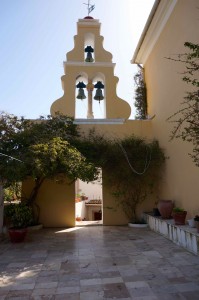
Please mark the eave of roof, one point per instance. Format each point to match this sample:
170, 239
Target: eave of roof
144, 32
159, 15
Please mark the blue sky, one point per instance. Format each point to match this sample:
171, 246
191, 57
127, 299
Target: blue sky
35, 36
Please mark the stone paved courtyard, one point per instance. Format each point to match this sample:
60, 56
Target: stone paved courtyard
96, 262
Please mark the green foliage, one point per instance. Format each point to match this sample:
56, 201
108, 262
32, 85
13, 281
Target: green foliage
186, 119
140, 95
131, 168
12, 192
178, 210
19, 215
41, 149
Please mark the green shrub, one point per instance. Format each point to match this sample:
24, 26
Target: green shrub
19, 215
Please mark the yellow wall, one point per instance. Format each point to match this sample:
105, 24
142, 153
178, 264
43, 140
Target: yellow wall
165, 93
56, 201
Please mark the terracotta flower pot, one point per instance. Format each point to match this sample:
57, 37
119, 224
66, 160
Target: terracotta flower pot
165, 208
179, 217
17, 235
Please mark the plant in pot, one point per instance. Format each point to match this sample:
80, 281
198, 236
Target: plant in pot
179, 215
20, 216
196, 219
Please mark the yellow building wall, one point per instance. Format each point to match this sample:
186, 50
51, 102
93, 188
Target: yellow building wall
165, 91
56, 202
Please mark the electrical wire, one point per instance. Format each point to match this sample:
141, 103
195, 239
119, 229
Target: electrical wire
1, 154
147, 161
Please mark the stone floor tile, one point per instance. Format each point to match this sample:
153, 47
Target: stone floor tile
190, 295
67, 297
19, 294
112, 280
141, 292
136, 284
43, 292
43, 297
164, 289
67, 290
109, 274
116, 291
46, 285
24, 286
92, 296
91, 288
93, 281
173, 296
187, 287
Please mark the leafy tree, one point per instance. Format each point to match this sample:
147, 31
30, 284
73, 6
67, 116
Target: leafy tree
41, 149
140, 95
186, 119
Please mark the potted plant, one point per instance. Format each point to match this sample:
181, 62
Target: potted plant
165, 208
20, 216
179, 215
196, 219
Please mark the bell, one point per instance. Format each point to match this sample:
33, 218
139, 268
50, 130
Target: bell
89, 51
99, 96
81, 94
89, 57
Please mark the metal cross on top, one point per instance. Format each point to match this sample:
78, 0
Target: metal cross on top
89, 7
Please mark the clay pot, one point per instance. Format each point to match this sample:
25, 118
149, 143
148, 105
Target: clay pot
165, 208
179, 217
17, 235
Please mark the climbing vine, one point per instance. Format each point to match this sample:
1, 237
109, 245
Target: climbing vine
131, 168
186, 119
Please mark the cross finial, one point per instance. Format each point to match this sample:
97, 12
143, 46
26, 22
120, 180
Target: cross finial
89, 7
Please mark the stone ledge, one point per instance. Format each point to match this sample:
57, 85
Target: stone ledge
183, 235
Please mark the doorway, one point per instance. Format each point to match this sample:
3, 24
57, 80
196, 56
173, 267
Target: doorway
89, 202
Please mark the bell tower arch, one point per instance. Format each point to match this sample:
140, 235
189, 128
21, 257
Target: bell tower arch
89, 77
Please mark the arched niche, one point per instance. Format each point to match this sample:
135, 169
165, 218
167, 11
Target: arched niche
89, 40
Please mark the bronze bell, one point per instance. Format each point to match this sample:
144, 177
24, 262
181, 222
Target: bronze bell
89, 50
99, 96
99, 86
81, 85
89, 57
81, 94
